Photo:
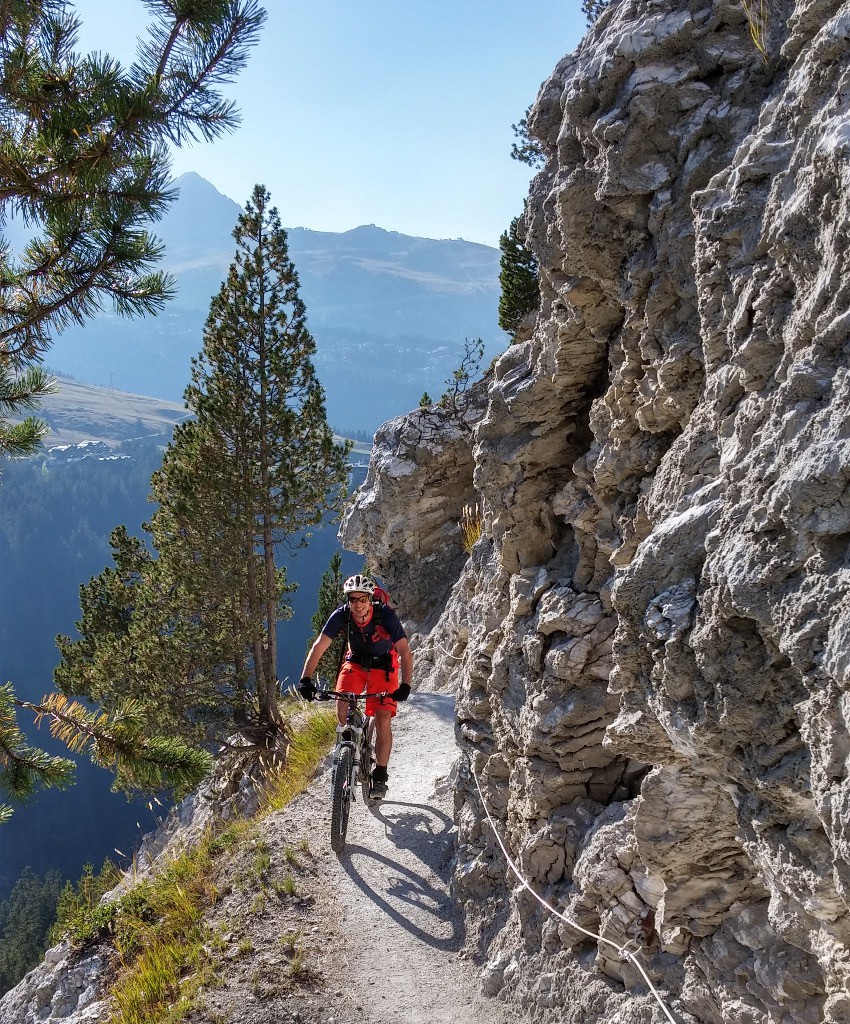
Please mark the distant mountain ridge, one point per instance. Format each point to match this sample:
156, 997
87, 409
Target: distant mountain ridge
87, 414
389, 312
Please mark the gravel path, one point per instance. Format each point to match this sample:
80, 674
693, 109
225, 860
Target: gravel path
392, 884
372, 936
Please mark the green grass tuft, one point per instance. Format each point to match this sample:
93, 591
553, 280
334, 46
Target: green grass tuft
167, 952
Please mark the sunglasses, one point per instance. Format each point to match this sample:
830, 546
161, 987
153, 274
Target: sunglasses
358, 600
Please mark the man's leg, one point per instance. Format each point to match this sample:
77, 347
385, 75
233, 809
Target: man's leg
351, 679
383, 748
383, 736
341, 706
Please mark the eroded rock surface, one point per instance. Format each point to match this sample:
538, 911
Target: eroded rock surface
651, 640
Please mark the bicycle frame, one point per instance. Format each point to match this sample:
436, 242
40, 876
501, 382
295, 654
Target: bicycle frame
353, 759
357, 734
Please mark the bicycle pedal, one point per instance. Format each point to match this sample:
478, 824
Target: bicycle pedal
377, 791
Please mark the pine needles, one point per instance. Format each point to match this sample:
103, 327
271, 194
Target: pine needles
117, 740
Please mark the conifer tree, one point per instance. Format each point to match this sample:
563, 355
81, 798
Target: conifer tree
274, 462
528, 150
592, 9
256, 465
84, 164
141, 640
25, 921
518, 276
330, 598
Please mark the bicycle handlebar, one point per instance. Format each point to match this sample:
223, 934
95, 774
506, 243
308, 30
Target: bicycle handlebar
350, 698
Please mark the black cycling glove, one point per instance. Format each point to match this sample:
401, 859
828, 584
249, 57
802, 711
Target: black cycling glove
402, 693
306, 688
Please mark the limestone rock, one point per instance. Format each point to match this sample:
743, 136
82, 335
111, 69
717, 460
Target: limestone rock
66, 988
650, 641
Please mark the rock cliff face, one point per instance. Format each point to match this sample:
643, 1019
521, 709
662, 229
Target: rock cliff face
651, 639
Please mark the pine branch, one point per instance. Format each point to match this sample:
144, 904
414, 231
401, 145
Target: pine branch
118, 741
22, 767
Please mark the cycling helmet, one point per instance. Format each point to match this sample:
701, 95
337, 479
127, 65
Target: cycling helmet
359, 584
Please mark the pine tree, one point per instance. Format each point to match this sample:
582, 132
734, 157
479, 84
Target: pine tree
518, 276
527, 150
140, 640
592, 9
256, 465
257, 399
84, 161
26, 918
330, 597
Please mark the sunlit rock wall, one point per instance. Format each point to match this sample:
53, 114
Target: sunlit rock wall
651, 640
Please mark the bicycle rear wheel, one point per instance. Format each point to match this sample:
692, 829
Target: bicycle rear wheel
340, 797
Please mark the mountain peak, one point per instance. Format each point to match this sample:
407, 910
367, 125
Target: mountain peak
191, 182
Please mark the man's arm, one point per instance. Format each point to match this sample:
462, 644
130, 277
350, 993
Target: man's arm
320, 645
405, 660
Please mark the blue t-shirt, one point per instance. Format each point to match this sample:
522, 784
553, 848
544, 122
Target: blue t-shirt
374, 639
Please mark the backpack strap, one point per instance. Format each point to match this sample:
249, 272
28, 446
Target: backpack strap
377, 618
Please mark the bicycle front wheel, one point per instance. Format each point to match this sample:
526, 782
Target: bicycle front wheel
340, 797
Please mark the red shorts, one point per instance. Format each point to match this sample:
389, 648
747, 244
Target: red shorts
354, 679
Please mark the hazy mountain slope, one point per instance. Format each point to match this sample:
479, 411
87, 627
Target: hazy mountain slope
81, 412
389, 312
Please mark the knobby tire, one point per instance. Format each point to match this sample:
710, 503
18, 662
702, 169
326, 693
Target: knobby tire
340, 797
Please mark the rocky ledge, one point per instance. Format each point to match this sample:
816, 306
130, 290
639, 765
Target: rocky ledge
651, 639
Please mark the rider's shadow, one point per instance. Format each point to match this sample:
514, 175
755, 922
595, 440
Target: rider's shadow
404, 886
419, 828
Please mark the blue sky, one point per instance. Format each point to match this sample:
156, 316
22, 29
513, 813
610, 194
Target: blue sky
383, 112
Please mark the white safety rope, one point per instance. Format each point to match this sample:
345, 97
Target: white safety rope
624, 952
448, 654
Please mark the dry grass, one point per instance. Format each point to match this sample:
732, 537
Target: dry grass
758, 18
166, 950
471, 524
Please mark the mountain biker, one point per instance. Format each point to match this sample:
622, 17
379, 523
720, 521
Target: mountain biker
375, 646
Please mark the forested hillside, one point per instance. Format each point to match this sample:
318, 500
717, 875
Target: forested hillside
55, 522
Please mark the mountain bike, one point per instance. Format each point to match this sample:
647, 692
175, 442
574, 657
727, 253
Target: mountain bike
353, 760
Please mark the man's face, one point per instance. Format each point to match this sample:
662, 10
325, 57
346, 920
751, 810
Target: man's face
360, 606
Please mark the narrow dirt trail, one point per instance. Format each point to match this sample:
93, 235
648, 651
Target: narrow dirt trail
392, 884
372, 936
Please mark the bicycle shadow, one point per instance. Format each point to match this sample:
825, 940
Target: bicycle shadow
406, 887
420, 829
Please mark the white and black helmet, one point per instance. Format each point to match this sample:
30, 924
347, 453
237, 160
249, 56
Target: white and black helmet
359, 584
